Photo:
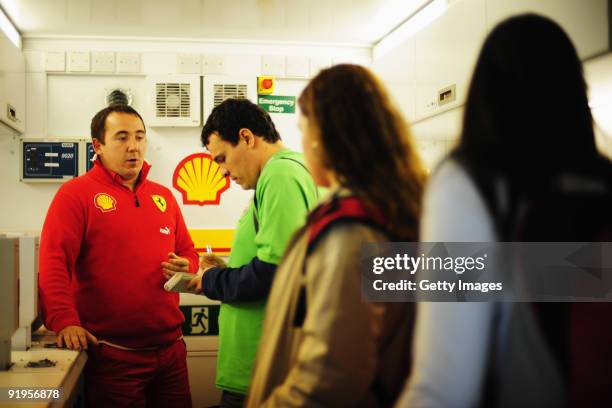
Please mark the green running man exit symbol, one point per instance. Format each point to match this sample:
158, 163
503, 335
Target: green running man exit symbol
199, 320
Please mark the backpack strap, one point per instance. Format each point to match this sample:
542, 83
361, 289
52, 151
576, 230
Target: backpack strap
351, 209
338, 209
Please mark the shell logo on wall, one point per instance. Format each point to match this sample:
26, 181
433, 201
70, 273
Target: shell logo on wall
200, 180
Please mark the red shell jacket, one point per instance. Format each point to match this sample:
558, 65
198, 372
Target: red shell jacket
100, 259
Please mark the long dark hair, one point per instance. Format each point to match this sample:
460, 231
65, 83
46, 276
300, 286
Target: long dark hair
367, 144
526, 117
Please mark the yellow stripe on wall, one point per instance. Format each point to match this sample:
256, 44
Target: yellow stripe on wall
220, 240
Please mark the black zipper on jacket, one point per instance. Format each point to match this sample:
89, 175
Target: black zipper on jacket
136, 200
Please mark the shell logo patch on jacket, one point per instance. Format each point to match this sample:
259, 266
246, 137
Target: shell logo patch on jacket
105, 202
160, 202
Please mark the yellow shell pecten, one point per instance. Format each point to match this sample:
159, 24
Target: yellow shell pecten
200, 180
104, 202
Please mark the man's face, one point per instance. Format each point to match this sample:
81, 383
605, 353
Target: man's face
124, 145
237, 162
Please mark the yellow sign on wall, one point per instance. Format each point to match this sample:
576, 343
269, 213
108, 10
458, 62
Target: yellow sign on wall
220, 240
265, 85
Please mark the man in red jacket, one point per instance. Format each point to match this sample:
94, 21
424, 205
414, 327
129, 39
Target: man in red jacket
107, 238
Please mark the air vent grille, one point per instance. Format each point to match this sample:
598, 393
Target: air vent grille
226, 91
173, 100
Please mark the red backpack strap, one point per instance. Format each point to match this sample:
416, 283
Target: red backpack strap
341, 209
338, 209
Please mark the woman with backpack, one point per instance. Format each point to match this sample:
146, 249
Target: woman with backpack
526, 124
322, 346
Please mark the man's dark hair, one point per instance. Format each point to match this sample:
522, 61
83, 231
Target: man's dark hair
234, 114
99, 120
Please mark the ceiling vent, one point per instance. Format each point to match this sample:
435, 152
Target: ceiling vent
175, 101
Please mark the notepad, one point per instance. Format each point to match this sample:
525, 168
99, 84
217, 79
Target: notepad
178, 283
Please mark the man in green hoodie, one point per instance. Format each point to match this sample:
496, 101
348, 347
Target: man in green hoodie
243, 140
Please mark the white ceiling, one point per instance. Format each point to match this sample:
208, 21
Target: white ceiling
359, 22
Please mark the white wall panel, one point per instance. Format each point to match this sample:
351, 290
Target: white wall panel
436, 136
586, 22
446, 52
396, 70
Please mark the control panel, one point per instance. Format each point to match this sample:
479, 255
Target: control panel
49, 161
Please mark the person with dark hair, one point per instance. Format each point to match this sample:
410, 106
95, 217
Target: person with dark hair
527, 124
243, 140
323, 346
107, 239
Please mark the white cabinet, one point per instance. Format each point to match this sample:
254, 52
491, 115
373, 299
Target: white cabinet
202, 350
586, 22
12, 85
446, 52
202, 366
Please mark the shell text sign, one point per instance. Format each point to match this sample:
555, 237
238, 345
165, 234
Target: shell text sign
200, 180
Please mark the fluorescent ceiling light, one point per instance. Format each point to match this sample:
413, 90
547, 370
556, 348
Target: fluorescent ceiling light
9, 29
388, 18
410, 27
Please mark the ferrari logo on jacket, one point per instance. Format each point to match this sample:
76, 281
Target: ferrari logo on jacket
160, 202
105, 202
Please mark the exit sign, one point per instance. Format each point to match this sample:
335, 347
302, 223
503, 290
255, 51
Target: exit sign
201, 320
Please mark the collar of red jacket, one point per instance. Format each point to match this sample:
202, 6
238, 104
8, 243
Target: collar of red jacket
102, 173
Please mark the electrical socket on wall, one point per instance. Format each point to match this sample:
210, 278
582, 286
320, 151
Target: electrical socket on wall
103, 61
273, 65
79, 61
188, 64
297, 67
213, 64
128, 62
55, 61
